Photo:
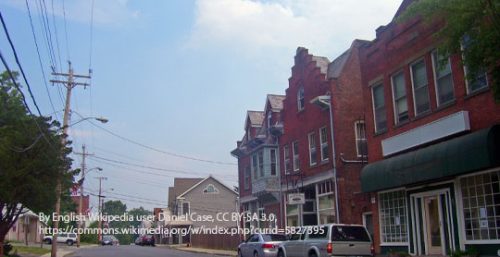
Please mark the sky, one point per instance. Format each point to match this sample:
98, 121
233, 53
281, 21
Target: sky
174, 78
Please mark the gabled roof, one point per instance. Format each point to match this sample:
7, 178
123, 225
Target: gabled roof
275, 101
201, 182
335, 67
180, 186
255, 117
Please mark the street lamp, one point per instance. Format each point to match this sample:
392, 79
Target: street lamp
325, 101
57, 211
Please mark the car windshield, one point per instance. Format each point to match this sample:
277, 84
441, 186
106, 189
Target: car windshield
273, 237
350, 233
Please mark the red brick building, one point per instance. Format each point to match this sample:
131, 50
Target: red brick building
306, 142
258, 165
433, 144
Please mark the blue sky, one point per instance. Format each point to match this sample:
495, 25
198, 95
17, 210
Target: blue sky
176, 75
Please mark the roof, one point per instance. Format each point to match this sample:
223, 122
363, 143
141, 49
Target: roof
336, 66
201, 182
256, 118
276, 101
321, 63
180, 186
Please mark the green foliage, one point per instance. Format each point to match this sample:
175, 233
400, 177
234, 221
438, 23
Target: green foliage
478, 20
472, 252
90, 238
31, 158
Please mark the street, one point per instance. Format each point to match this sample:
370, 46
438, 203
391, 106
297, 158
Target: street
134, 251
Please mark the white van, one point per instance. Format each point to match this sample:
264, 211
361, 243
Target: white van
68, 238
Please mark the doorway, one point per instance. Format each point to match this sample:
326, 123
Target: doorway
433, 225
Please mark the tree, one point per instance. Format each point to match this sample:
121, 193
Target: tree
31, 157
136, 212
475, 24
117, 208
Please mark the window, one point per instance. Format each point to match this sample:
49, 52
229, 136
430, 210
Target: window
393, 218
274, 163
247, 175
443, 78
324, 144
475, 82
326, 202
312, 149
255, 164
300, 99
210, 189
481, 206
420, 87
295, 153
360, 131
185, 208
292, 215
249, 135
286, 157
379, 113
261, 163
269, 121
400, 100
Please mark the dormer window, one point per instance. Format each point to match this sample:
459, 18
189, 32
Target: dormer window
210, 189
300, 99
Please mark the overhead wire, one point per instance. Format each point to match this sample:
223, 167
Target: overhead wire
66, 31
19, 64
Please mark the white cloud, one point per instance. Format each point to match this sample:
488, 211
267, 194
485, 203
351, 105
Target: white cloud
324, 26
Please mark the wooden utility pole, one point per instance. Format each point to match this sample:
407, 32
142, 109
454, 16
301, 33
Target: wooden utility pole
100, 208
84, 154
69, 84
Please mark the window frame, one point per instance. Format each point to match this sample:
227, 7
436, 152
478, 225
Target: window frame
255, 165
260, 158
313, 160
323, 145
295, 156
397, 115
286, 159
273, 158
382, 107
300, 99
360, 138
405, 240
247, 175
421, 60
435, 65
465, 41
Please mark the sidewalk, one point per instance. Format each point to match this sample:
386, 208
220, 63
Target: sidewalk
200, 250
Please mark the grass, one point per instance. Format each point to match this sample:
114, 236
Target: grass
29, 249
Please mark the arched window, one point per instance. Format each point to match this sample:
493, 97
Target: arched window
300, 99
210, 189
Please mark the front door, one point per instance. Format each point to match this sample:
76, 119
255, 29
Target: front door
433, 225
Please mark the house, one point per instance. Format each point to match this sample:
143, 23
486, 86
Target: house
195, 198
433, 145
258, 164
28, 229
323, 149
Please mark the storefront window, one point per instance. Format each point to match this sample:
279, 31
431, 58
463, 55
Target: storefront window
481, 206
292, 215
393, 217
326, 203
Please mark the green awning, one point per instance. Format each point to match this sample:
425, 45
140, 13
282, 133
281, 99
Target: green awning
468, 153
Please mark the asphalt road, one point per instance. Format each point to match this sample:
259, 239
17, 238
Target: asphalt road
133, 251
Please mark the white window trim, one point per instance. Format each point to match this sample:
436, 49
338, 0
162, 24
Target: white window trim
300, 96
434, 71
378, 84
321, 143
413, 87
311, 161
396, 114
286, 157
358, 139
216, 191
294, 154
464, 67
382, 243
275, 164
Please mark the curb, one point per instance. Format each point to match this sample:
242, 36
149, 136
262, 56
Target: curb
199, 250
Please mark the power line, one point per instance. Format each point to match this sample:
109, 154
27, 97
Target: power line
40, 59
14, 82
91, 35
148, 167
18, 64
66, 31
156, 149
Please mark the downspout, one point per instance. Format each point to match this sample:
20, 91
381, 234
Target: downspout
334, 161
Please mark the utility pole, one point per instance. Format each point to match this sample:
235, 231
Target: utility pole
69, 84
84, 154
99, 230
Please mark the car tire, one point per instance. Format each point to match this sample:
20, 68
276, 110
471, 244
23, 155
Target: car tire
255, 254
313, 254
239, 253
281, 253
69, 242
47, 241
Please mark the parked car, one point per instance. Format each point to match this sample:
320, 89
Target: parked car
261, 245
68, 238
110, 240
145, 240
328, 240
